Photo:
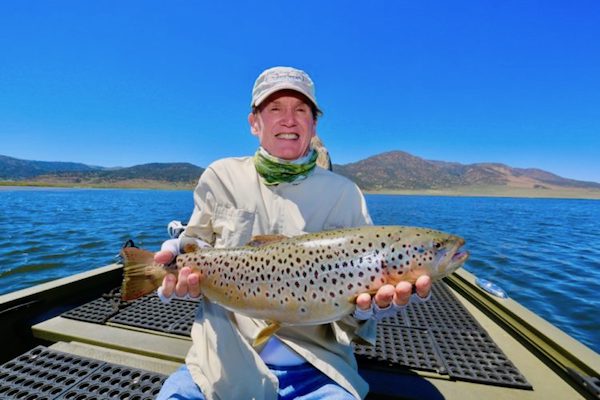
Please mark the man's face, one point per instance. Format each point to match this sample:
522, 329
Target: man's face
284, 124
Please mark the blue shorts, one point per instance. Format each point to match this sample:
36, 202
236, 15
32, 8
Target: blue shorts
298, 382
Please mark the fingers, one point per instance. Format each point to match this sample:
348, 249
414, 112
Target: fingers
194, 285
384, 296
181, 288
423, 286
403, 290
399, 295
363, 301
168, 285
188, 283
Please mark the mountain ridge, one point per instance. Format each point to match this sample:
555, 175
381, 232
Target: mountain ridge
398, 170
389, 171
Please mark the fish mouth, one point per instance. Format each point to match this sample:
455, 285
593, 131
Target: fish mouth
453, 256
460, 256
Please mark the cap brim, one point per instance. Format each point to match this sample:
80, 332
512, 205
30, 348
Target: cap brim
279, 88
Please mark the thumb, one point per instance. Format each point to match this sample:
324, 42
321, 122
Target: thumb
163, 257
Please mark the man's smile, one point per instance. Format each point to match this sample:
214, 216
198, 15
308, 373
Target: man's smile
287, 135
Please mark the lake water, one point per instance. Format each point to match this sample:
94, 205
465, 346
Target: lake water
544, 252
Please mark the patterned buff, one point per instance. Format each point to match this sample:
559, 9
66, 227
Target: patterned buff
274, 170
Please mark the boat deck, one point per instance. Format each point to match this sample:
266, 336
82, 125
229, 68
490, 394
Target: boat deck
446, 348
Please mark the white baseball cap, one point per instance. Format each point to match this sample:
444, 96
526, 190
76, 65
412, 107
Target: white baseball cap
280, 78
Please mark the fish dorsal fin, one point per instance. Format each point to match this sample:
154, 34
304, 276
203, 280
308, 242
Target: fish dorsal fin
263, 240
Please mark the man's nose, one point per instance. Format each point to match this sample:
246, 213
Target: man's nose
288, 118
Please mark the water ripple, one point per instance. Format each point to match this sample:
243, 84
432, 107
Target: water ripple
545, 253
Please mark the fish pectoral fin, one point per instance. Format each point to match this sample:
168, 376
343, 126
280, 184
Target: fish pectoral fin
266, 333
263, 240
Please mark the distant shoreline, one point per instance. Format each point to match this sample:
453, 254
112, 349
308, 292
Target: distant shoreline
469, 191
500, 191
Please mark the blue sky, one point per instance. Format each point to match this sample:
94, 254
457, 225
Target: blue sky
119, 83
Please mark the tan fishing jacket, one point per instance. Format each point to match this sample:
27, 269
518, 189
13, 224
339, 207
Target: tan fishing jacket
231, 206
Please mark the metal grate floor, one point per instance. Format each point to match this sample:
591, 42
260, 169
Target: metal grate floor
147, 312
151, 313
439, 336
47, 374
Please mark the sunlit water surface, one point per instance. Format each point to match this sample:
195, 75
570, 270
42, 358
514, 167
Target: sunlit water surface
544, 252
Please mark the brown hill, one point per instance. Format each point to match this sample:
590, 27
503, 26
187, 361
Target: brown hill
397, 170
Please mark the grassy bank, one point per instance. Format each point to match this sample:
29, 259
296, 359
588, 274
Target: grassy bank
472, 191
502, 191
126, 184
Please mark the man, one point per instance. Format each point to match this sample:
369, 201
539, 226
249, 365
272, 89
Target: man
277, 191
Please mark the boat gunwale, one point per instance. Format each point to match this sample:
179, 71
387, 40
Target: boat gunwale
557, 349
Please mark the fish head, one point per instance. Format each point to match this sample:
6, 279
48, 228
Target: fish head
421, 251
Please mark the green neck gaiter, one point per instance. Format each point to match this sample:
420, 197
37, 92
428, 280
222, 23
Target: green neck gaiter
274, 170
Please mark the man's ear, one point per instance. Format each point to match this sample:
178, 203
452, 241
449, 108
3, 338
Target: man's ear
253, 121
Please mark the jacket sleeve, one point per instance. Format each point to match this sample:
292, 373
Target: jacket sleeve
200, 223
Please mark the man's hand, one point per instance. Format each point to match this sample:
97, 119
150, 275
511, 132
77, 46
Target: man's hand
400, 295
185, 284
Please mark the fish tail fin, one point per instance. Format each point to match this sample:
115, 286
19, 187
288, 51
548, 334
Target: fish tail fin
266, 333
140, 274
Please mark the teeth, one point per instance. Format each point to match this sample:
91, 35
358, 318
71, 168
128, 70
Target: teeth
287, 136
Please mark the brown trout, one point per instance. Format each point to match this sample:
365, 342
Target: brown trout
307, 279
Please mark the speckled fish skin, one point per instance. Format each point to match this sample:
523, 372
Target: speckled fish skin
315, 278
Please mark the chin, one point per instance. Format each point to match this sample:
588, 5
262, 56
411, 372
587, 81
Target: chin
287, 154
